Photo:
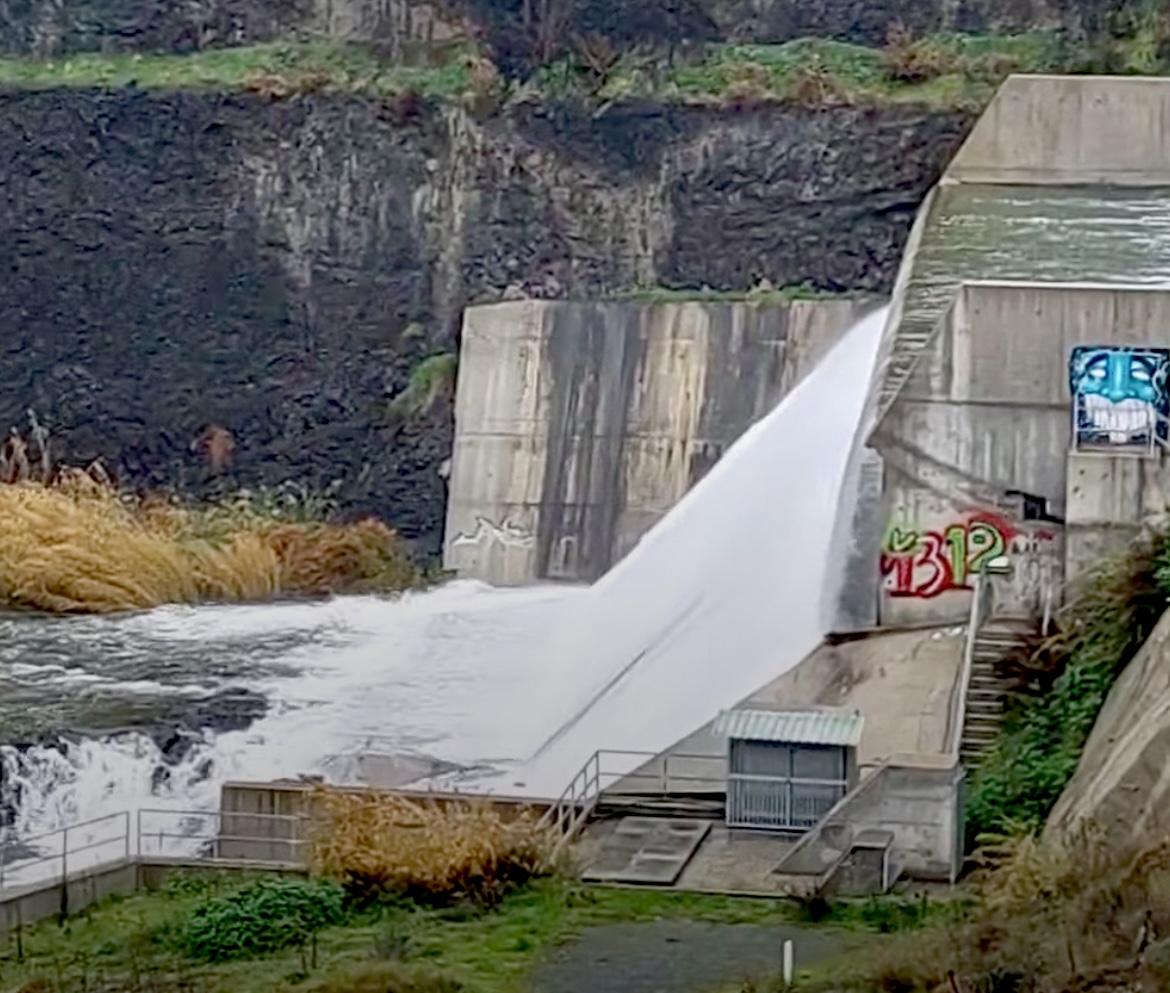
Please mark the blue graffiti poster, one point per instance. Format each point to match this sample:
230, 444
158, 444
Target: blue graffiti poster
1119, 396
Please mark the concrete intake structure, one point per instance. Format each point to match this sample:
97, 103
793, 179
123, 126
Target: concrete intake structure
579, 425
1020, 404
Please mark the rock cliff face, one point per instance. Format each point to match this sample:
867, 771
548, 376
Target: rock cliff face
176, 266
56, 26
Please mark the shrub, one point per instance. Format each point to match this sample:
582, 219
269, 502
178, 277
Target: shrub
262, 917
433, 378
382, 844
814, 87
908, 61
1110, 615
1049, 917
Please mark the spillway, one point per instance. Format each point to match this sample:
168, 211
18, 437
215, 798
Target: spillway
506, 687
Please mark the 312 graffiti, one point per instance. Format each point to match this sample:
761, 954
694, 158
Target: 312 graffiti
928, 563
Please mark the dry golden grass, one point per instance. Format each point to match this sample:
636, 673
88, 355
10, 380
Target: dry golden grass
1048, 917
80, 546
378, 843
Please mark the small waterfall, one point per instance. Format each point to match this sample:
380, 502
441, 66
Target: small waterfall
46, 787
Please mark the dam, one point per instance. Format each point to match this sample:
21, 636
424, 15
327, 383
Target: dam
907, 509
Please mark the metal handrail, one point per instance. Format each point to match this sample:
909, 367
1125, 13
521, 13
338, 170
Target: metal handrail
957, 710
570, 811
136, 842
122, 838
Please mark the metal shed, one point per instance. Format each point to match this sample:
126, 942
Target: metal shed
788, 768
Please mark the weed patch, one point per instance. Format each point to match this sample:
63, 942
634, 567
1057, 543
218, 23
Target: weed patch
260, 918
1110, 615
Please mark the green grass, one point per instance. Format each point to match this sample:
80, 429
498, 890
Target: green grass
810, 71
136, 943
966, 69
317, 65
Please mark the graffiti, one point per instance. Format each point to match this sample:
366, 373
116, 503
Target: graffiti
917, 563
1120, 396
487, 533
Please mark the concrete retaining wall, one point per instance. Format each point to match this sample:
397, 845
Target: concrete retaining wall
1070, 129
919, 799
579, 425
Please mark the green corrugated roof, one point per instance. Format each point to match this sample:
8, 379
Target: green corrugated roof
797, 727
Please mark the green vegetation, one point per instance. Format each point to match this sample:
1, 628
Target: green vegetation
261, 917
203, 932
276, 69
1108, 619
945, 70
764, 294
432, 378
1047, 917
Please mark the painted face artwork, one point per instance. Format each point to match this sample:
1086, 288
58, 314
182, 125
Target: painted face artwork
1119, 396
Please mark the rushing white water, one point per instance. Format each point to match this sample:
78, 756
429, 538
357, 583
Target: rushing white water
515, 686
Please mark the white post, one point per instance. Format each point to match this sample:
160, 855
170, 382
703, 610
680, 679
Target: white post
788, 962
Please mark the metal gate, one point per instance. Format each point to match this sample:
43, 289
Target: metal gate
783, 786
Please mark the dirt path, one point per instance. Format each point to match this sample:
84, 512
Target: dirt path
677, 957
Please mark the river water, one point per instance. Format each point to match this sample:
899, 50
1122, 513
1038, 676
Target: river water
90, 706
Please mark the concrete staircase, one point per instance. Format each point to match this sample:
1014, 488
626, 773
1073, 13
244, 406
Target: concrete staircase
987, 693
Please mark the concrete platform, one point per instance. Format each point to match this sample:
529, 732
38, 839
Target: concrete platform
720, 859
647, 850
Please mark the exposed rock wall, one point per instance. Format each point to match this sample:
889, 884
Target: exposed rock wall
55, 26
174, 263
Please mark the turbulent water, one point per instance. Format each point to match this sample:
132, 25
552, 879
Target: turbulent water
511, 690
428, 675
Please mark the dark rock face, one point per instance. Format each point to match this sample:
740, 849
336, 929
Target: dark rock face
177, 264
49, 27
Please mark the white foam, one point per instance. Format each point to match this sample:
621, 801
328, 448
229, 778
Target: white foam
722, 596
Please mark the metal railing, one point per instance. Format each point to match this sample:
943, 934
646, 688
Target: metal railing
570, 811
264, 839
957, 706
110, 833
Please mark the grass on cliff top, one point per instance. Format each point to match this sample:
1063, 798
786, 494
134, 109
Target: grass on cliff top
301, 67
941, 70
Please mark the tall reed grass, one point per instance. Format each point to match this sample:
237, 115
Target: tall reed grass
78, 545
385, 844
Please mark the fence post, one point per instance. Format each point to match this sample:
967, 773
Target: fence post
64, 873
126, 815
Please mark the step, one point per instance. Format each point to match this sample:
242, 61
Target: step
983, 722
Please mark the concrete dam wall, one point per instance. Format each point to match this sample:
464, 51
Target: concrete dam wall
1020, 403
579, 425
